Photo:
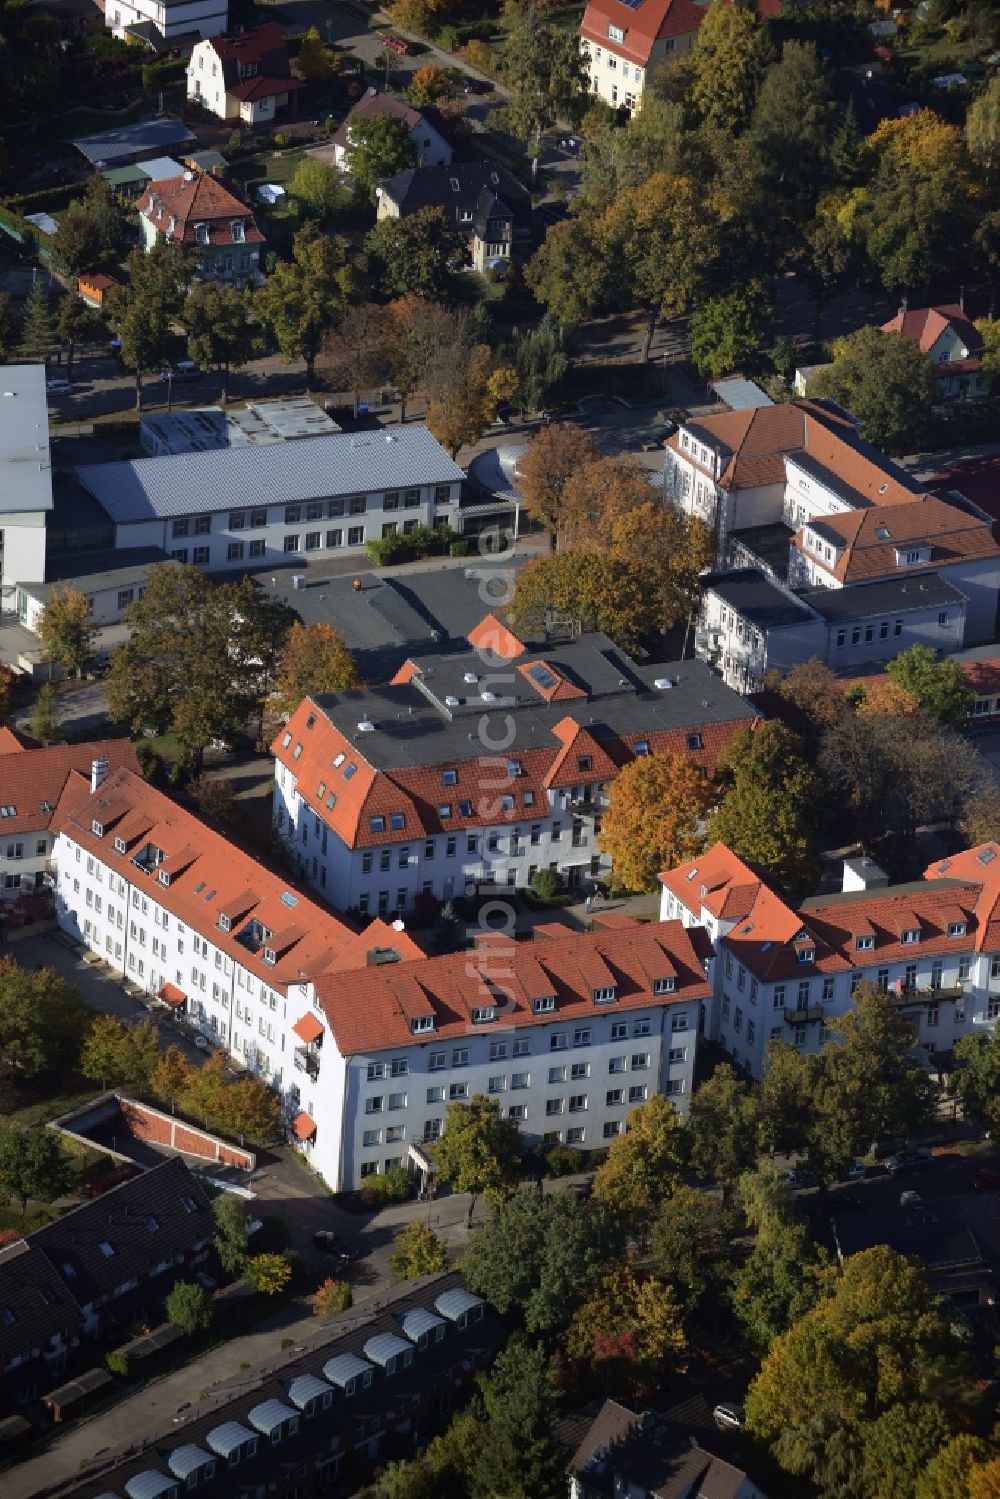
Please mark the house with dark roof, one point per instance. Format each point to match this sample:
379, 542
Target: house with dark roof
951, 342
783, 973
944, 1234
431, 147
485, 203
244, 75
201, 213
673, 1455
41, 1321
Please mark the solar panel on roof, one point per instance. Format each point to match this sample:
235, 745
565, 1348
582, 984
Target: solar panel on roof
541, 674
288, 899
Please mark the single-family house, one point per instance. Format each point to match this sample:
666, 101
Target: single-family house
487, 205
952, 344
200, 212
432, 149
245, 75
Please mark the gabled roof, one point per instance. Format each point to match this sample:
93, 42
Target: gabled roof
650, 21
753, 443
464, 191
868, 540
264, 86
35, 1303
32, 780
197, 198
376, 1009
491, 636
371, 104
924, 325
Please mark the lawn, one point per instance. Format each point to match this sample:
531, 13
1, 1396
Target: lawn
42, 1099
254, 170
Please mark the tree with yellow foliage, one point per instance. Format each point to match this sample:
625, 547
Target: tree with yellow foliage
313, 660
66, 629
655, 818
628, 1336
268, 1273
643, 1166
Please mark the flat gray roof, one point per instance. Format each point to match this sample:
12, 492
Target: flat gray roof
896, 595
281, 473
759, 600
130, 142
92, 572
25, 459
741, 395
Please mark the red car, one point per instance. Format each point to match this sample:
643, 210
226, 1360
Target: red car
986, 1180
396, 44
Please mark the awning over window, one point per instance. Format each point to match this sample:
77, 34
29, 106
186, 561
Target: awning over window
171, 995
303, 1127
308, 1029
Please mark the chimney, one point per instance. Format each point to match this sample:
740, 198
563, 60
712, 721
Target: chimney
98, 772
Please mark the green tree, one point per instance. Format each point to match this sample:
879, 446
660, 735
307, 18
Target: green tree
982, 126
768, 812
947, 1472
872, 1341
143, 311
76, 244
216, 798
728, 60
417, 1251
517, 1454
219, 328
542, 67
643, 1165
899, 1446
205, 1091
887, 383
479, 1151
655, 817
314, 59
726, 331
170, 1076
688, 1244
33, 1165
76, 323
251, 1111
189, 1307
779, 1281
791, 131
318, 188
419, 254
10, 326
722, 1125
978, 1081
115, 1054
538, 1254
232, 1224
304, 297
379, 148
268, 1273
540, 361
45, 715
936, 683
37, 326
42, 1021
567, 273
628, 1334
66, 629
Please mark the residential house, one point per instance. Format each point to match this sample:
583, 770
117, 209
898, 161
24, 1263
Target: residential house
198, 211
41, 1322
782, 973
389, 794
244, 75
567, 1034
951, 342
432, 149
32, 779
94, 287
673, 1455
485, 203
161, 24
280, 502
26, 461
382, 1382
946, 1236
620, 43
750, 624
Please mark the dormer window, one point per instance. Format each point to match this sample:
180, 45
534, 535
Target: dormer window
224, 924
484, 1014
864, 944
584, 762
605, 996
616, 34
694, 742
421, 1023
664, 985
543, 1003
397, 821
119, 845
97, 827
163, 876
239, 231
270, 956
910, 936
642, 747
956, 929
515, 768
806, 954
286, 740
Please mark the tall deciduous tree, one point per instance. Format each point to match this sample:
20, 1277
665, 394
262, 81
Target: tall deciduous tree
66, 629
655, 818
643, 1165
542, 67
220, 328
886, 381
551, 459
722, 1125
567, 273
812, 699
417, 1251
597, 592
978, 1081
114, 1054
170, 1075
479, 1151
728, 60
314, 660
727, 330
305, 297
540, 361
461, 401
42, 1020
415, 330
689, 1245
76, 323
418, 254
33, 1165
628, 1335
355, 354
899, 1445
189, 1307
936, 683
947, 1472
232, 1225
791, 129
780, 1279
768, 812
319, 188
379, 148
144, 310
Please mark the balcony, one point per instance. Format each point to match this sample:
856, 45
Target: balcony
307, 1060
804, 1017
924, 994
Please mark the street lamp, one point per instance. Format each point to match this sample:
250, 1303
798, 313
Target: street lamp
169, 377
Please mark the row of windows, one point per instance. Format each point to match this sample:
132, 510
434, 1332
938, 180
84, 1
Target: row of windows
868, 632
256, 518
16, 850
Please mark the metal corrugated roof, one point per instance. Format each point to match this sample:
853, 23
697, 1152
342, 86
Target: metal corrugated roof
386, 1345
269, 1414
24, 439
188, 1459
226, 1438
305, 1388
310, 468
452, 1304
418, 1321
344, 1366
150, 1485
741, 395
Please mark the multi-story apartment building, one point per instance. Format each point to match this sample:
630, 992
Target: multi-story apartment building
783, 974
164, 23
26, 495
284, 502
31, 782
567, 1034
479, 768
191, 919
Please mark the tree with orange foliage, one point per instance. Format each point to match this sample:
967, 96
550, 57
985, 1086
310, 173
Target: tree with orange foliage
313, 660
655, 818
885, 697
984, 1480
553, 456
429, 84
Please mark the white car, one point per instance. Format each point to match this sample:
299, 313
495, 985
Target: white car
57, 386
201, 1043
729, 1417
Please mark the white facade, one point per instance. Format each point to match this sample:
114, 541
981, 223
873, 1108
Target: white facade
691, 478
206, 83
172, 18
615, 78
26, 491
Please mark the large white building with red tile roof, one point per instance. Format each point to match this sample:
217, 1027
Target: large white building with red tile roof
474, 770
781, 974
567, 1034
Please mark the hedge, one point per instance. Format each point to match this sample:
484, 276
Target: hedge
387, 551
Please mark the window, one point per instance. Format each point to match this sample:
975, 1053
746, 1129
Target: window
581, 1036
291, 544
617, 1064
234, 551
436, 1094
313, 541
828, 986
179, 528
642, 1026
619, 1030
498, 1084
201, 556
640, 1061
437, 1061
522, 1047
356, 536
577, 1103
458, 1091
520, 1079
202, 525
375, 1104
257, 548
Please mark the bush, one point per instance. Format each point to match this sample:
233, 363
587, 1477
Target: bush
117, 1362
235, 142
394, 1185
546, 883
150, 763
332, 1296
562, 1160
189, 1307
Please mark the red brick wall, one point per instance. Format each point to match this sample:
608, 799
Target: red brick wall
147, 1123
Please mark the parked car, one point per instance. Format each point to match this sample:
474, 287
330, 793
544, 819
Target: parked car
333, 1245
909, 1198
856, 1171
986, 1180
57, 386
729, 1417
202, 1043
396, 44
909, 1160
798, 1177
182, 371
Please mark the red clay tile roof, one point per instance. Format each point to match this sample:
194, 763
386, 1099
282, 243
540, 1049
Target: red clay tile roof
549, 682
11, 743
758, 441
492, 635
251, 46
977, 480
198, 198
377, 1008
419, 792
868, 553
708, 879
926, 324
651, 20
210, 877
32, 780
262, 87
